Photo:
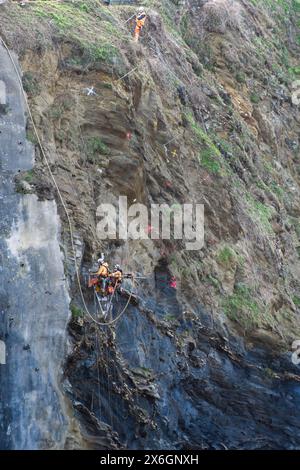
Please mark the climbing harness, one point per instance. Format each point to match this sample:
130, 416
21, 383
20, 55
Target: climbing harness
60, 198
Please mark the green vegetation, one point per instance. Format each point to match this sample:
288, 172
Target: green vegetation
294, 71
170, 318
260, 212
226, 255
273, 49
55, 112
209, 156
106, 85
296, 300
31, 136
31, 84
22, 178
217, 154
95, 53
29, 176
88, 27
76, 312
262, 185
267, 165
242, 307
276, 189
213, 281
271, 187
240, 77
280, 6
95, 146
208, 160
254, 98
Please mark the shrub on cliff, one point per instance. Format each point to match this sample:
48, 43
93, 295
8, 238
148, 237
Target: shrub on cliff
220, 15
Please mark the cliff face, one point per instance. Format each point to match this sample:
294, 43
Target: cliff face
200, 110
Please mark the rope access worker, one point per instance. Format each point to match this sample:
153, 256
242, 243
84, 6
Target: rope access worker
103, 273
140, 22
116, 276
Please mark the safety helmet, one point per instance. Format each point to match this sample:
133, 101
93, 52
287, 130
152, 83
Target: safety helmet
117, 267
100, 260
141, 11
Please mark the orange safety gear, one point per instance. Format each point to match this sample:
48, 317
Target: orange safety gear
117, 275
93, 281
140, 22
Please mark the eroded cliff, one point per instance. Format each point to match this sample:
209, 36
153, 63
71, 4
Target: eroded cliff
200, 110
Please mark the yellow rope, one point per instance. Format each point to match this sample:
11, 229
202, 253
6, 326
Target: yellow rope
61, 199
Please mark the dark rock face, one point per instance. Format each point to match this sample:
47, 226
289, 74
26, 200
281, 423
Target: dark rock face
168, 378
183, 385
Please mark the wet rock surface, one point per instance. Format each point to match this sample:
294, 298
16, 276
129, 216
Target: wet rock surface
183, 383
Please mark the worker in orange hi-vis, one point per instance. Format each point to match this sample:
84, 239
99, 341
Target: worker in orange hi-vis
140, 21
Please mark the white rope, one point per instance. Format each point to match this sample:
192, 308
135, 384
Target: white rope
130, 18
61, 199
121, 78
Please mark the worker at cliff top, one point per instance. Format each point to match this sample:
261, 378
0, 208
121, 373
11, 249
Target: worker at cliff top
140, 21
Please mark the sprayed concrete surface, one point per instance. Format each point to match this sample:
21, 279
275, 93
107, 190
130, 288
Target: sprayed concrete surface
34, 301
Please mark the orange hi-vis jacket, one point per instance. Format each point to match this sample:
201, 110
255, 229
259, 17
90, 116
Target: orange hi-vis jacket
140, 20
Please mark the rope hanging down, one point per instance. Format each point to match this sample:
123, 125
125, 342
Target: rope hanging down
61, 199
